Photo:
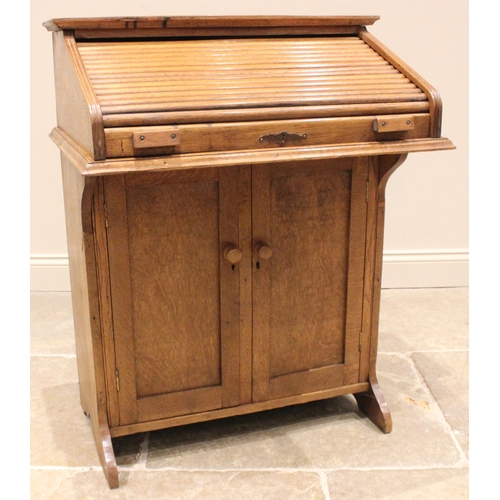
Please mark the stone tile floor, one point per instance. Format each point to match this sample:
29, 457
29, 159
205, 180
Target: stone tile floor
321, 450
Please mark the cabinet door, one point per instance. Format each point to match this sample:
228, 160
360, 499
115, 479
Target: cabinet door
174, 295
309, 221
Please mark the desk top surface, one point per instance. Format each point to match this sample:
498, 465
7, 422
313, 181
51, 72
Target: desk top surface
206, 22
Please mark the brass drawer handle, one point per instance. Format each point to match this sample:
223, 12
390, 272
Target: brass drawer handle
281, 138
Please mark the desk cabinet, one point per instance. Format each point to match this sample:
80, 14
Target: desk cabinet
224, 190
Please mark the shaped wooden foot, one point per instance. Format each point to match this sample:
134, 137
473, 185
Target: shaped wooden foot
105, 450
107, 457
373, 405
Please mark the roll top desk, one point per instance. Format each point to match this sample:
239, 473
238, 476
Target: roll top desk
224, 183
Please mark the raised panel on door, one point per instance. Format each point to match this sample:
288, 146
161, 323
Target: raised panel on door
175, 297
308, 293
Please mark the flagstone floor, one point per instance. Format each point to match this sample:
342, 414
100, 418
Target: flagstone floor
322, 450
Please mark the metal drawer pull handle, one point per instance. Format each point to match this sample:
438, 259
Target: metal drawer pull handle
281, 138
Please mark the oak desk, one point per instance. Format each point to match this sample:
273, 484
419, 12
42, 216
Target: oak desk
224, 188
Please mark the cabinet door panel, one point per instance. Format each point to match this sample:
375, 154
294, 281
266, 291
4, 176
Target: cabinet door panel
176, 337
308, 294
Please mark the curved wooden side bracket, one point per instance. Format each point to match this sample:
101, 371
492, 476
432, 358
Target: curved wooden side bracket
373, 405
372, 402
387, 166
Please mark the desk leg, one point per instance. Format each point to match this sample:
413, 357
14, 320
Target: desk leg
373, 405
105, 450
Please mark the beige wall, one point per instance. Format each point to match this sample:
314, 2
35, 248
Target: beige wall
426, 242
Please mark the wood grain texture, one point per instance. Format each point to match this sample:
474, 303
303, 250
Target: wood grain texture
224, 182
370, 265
246, 135
312, 216
246, 285
75, 114
138, 23
356, 268
89, 167
372, 404
173, 239
207, 33
86, 312
436, 107
241, 73
178, 292
275, 113
243, 409
121, 302
100, 245
387, 165
261, 305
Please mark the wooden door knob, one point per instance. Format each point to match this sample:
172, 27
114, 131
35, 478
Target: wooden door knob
264, 251
233, 254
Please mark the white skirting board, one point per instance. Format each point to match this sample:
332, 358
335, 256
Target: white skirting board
420, 269
425, 269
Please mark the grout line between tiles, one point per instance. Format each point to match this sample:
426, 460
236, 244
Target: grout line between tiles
409, 353
324, 484
319, 471
458, 465
447, 427
142, 457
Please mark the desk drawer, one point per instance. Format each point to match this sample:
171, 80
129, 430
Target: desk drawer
207, 137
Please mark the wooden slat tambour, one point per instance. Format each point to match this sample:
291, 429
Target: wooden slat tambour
241, 73
256, 81
233, 115
223, 104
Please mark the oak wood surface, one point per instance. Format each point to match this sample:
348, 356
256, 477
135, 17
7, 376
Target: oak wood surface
77, 113
137, 23
246, 135
242, 409
372, 404
276, 113
236, 73
306, 327
88, 167
436, 108
207, 33
180, 291
78, 194
100, 247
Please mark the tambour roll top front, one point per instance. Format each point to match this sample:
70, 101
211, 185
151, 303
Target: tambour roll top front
173, 86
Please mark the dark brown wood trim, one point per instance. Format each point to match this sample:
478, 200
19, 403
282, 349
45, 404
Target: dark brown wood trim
183, 22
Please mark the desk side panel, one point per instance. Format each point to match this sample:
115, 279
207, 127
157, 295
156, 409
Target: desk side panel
78, 194
77, 113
